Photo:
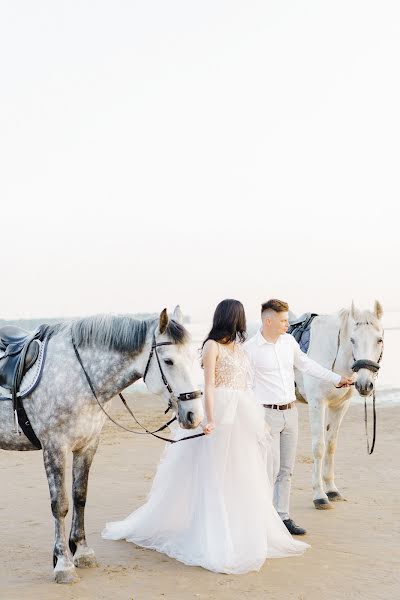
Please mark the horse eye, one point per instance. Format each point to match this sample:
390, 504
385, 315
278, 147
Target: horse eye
380, 340
352, 340
168, 362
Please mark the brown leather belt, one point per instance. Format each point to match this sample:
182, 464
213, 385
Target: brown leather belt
280, 406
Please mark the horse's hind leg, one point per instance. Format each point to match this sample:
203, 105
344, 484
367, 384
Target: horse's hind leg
54, 461
333, 421
83, 555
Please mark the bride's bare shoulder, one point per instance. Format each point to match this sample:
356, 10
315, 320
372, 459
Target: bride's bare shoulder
210, 347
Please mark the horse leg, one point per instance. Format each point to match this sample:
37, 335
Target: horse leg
54, 461
317, 417
83, 555
333, 421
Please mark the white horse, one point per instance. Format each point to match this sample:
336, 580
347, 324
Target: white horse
337, 342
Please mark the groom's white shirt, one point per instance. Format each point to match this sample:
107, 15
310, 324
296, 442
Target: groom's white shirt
273, 368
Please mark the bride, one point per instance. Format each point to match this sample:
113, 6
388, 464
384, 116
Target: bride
210, 504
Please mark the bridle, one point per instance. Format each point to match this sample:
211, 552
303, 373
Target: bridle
172, 397
374, 367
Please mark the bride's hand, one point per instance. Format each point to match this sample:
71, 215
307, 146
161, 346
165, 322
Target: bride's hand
209, 427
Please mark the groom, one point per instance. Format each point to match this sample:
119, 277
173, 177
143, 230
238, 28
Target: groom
273, 354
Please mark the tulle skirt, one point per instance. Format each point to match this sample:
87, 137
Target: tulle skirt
210, 504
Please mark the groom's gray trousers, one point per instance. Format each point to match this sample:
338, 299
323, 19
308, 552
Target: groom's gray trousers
284, 432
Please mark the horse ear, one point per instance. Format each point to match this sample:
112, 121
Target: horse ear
378, 310
163, 324
178, 315
353, 311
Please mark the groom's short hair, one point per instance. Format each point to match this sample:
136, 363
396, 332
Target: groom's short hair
275, 305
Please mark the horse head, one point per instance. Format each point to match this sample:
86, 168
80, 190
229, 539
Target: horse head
366, 337
170, 369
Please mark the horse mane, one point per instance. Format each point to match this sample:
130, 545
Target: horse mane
344, 314
122, 333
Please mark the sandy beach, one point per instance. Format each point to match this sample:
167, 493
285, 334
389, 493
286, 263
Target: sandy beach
355, 547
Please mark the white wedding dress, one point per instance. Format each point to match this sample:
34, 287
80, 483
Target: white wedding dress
211, 500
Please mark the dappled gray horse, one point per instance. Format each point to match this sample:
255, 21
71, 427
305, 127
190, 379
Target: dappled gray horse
66, 417
347, 342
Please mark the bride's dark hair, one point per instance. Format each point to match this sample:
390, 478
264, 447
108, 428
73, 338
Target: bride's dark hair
229, 323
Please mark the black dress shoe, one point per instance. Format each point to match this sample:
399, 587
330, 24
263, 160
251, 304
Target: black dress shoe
293, 528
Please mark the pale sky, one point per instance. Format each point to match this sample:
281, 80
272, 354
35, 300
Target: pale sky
163, 152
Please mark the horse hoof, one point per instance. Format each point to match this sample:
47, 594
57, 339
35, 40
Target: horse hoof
322, 504
66, 575
334, 496
86, 561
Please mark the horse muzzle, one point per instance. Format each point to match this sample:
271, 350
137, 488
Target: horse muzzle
189, 409
364, 388
365, 384
190, 418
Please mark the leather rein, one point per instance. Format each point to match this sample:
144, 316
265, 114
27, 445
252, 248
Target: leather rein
172, 397
374, 368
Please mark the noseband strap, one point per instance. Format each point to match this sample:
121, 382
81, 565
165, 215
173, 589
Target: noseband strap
365, 364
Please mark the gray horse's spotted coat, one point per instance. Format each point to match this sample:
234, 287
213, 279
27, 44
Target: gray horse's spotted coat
66, 417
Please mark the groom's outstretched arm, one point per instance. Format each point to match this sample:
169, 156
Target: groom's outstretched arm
307, 365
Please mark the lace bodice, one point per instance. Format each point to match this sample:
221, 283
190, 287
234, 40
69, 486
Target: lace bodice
232, 368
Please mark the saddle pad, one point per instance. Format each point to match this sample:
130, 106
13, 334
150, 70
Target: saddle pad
31, 377
302, 331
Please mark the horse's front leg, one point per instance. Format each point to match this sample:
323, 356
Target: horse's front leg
333, 421
83, 555
54, 457
317, 417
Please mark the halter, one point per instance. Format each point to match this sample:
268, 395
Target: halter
367, 364
374, 367
172, 397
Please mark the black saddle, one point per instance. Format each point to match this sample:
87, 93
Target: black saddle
300, 320
21, 349
300, 327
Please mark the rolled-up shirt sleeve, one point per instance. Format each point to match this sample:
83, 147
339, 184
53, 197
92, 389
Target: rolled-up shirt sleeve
306, 365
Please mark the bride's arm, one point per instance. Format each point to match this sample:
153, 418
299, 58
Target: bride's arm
210, 354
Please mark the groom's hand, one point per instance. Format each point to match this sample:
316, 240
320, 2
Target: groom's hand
345, 382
